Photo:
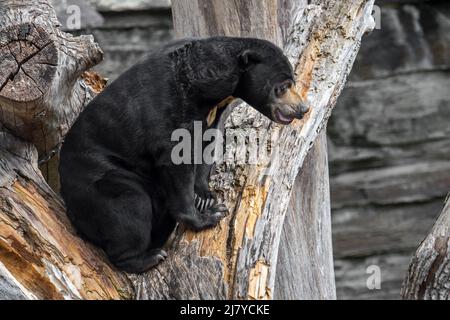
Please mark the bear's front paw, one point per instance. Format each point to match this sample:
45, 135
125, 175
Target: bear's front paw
198, 221
216, 213
205, 201
211, 217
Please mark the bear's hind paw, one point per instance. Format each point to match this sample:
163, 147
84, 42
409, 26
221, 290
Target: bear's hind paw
143, 262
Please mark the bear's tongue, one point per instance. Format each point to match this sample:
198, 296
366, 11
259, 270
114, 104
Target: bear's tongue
283, 118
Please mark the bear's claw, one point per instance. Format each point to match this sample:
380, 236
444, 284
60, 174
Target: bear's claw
219, 210
158, 255
163, 253
203, 204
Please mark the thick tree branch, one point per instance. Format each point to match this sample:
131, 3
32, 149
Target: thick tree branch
305, 268
39, 251
428, 276
41, 92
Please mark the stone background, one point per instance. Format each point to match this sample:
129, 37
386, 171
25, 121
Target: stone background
389, 136
389, 146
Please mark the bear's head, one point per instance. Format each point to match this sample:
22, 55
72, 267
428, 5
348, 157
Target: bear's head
267, 83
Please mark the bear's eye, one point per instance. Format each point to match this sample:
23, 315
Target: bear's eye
281, 90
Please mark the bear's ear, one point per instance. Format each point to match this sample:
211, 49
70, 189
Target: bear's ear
248, 57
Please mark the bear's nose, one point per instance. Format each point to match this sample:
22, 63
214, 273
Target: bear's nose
302, 109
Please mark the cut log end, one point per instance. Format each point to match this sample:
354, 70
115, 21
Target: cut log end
28, 60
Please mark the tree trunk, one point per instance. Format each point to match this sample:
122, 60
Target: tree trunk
41, 257
239, 258
305, 268
428, 276
297, 278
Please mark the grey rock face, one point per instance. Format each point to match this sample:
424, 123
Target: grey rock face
391, 121
133, 5
352, 276
412, 38
87, 14
389, 141
125, 36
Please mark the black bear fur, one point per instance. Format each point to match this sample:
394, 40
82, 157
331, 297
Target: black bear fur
121, 189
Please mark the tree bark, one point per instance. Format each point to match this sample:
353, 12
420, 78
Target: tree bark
39, 254
428, 276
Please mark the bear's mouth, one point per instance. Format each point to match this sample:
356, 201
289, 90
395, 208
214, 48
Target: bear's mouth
283, 118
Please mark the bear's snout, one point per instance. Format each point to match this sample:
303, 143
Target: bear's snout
288, 106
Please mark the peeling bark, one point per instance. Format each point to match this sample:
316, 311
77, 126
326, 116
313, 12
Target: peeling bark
428, 276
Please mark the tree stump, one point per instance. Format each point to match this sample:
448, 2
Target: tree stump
41, 93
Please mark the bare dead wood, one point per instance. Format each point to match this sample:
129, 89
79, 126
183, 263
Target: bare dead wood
305, 268
301, 250
41, 94
428, 276
39, 251
239, 258
40, 89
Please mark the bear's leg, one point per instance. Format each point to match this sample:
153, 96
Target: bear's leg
162, 228
124, 221
178, 181
204, 198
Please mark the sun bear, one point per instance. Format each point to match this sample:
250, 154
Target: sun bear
122, 191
